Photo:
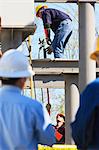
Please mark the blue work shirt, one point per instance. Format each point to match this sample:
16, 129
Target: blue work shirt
24, 122
85, 128
53, 17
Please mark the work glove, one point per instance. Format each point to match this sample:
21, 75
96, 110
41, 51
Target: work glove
49, 50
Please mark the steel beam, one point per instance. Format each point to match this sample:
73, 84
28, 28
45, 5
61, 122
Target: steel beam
67, 1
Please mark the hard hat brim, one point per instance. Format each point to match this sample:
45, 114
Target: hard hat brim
20, 74
94, 55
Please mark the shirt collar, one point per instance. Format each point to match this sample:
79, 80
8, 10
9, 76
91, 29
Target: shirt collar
11, 88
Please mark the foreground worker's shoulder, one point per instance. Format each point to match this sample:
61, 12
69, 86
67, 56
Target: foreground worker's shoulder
91, 89
34, 105
32, 102
93, 85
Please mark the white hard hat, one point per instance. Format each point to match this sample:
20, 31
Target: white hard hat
14, 64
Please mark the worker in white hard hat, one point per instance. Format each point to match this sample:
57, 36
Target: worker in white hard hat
85, 128
24, 122
60, 24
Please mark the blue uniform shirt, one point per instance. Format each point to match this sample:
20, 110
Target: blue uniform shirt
23, 122
53, 17
85, 128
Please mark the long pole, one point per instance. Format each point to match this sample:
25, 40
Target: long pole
32, 92
87, 67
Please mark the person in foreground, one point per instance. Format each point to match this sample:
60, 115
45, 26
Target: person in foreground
61, 25
85, 128
24, 122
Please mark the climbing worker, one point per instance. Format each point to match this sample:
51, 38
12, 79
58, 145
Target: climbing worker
24, 122
60, 23
85, 128
60, 129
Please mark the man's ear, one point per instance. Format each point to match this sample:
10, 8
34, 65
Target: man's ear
0, 53
21, 82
